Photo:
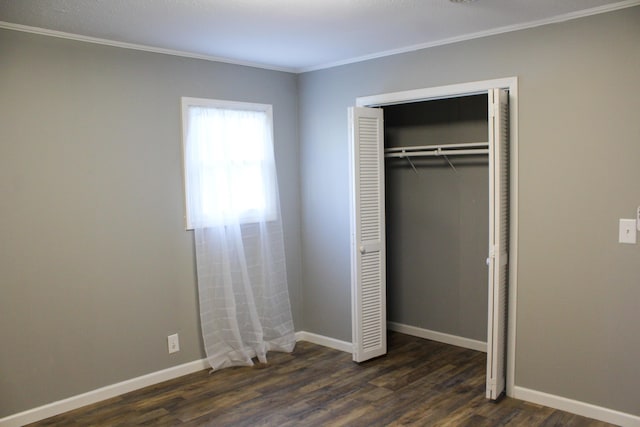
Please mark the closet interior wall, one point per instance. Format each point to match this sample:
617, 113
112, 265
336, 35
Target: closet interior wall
437, 219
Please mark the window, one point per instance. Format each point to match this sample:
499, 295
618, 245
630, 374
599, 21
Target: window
229, 168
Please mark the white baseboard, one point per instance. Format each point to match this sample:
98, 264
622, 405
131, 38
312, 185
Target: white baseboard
576, 407
345, 346
75, 402
438, 336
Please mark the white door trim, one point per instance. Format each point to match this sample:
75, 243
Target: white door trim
463, 89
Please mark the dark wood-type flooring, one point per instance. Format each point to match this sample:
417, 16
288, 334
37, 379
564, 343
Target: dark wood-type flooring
418, 383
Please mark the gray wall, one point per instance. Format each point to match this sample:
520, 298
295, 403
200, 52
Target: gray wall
96, 268
438, 219
578, 289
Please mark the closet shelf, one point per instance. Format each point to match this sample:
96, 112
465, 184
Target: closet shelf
471, 148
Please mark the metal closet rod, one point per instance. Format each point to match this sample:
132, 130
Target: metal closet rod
439, 150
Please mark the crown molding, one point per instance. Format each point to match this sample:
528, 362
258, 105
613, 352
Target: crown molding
471, 36
144, 48
299, 70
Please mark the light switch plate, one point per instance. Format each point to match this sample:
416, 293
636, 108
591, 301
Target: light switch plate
638, 219
173, 342
627, 231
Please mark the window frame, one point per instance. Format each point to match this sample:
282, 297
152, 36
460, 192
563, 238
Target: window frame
186, 103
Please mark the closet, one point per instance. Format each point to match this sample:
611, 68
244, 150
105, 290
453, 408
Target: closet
437, 218
430, 222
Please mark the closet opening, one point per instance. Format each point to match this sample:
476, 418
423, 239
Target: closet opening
437, 219
433, 230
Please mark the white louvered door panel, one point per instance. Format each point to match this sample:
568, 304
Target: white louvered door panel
368, 276
498, 240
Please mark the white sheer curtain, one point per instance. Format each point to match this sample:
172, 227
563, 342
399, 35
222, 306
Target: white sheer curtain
233, 207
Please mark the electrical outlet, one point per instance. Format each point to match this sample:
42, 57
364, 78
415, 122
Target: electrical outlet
627, 233
174, 343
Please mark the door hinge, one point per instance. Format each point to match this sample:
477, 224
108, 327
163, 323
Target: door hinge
493, 107
492, 255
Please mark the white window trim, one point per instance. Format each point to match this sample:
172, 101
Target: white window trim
187, 102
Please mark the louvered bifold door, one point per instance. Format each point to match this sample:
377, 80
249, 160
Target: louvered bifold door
368, 280
498, 240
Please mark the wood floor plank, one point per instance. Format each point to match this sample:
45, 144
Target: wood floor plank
418, 383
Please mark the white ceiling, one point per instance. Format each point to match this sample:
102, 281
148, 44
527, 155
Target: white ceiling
291, 35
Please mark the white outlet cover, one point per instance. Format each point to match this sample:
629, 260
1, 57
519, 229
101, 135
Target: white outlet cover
173, 343
627, 232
